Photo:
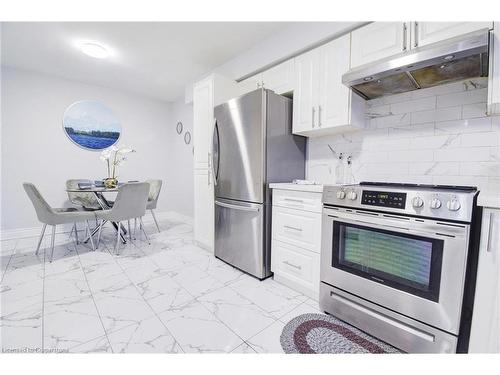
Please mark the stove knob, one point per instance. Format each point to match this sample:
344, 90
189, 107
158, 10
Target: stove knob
453, 205
417, 202
352, 195
435, 203
341, 194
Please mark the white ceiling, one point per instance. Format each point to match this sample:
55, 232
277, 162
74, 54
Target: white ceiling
152, 59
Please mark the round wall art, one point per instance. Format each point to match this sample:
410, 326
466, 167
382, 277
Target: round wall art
91, 125
187, 138
179, 127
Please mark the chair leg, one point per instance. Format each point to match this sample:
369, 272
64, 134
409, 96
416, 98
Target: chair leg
90, 234
76, 234
99, 234
156, 222
129, 231
135, 228
40, 240
52, 243
71, 231
143, 231
117, 236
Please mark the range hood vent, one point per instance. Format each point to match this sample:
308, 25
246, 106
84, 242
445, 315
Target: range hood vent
436, 64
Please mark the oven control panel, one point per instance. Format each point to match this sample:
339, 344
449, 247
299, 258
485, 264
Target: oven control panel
383, 199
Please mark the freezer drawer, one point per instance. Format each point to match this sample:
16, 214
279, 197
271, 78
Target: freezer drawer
239, 236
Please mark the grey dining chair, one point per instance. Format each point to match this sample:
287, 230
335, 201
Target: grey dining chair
54, 216
84, 200
130, 203
154, 193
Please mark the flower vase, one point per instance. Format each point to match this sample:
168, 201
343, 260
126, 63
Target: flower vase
110, 183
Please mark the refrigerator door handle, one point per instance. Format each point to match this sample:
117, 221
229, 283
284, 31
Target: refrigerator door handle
212, 162
237, 207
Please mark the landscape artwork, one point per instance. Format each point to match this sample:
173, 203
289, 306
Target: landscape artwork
91, 125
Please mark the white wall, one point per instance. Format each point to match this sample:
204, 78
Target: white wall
439, 135
36, 149
180, 189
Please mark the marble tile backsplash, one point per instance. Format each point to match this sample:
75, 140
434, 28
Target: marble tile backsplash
439, 135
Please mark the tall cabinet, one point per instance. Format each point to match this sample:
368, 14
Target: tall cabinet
485, 329
207, 93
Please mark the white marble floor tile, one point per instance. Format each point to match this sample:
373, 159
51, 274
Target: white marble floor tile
168, 262
195, 281
198, 330
312, 302
268, 340
71, 321
98, 345
21, 329
118, 312
271, 296
302, 309
241, 315
149, 336
244, 349
145, 272
219, 270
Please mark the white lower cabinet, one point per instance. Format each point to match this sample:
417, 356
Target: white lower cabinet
485, 330
298, 228
296, 240
296, 268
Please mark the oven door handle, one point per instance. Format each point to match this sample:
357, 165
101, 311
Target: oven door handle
371, 225
424, 229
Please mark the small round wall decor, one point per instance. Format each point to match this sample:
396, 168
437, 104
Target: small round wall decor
187, 138
91, 125
179, 127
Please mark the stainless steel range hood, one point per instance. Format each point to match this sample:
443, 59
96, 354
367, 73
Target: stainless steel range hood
439, 63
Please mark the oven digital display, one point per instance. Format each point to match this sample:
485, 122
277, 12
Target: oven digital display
383, 199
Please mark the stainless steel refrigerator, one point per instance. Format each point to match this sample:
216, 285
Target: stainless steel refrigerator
253, 146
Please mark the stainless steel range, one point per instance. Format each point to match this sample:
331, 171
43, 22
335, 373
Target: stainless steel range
394, 260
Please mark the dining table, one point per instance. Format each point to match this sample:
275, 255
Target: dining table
104, 204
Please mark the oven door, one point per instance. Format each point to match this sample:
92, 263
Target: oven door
415, 267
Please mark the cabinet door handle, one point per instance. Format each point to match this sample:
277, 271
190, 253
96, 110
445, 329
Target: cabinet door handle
293, 200
313, 112
416, 35
293, 228
209, 167
292, 265
319, 116
490, 232
405, 40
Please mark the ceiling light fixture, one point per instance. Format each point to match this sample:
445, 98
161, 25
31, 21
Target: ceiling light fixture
94, 49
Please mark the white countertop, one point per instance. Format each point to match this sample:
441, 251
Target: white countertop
489, 199
298, 187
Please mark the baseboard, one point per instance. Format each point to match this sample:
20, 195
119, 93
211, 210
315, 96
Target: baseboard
10, 234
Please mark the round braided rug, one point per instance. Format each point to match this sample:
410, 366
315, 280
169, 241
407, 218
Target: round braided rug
318, 333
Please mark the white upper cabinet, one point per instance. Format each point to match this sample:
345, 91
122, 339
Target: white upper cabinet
306, 93
334, 98
321, 103
494, 73
279, 78
378, 40
423, 33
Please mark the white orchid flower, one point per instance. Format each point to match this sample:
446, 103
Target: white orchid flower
125, 150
